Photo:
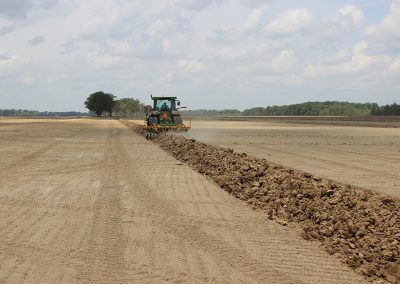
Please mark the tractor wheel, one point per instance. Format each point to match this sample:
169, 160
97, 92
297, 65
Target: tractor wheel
151, 120
178, 119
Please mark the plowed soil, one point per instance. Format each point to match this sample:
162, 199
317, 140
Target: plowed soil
368, 157
91, 201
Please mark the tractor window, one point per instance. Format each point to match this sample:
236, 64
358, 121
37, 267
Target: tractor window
163, 105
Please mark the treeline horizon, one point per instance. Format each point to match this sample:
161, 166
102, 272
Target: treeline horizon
27, 113
327, 108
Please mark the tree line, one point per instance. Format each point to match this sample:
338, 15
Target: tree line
328, 108
212, 112
393, 109
101, 103
98, 103
27, 113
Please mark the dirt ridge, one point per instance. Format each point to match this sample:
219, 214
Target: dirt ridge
361, 227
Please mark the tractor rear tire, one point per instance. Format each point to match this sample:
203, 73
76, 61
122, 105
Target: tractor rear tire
178, 119
151, 120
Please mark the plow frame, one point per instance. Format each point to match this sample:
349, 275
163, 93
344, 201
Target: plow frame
153, 130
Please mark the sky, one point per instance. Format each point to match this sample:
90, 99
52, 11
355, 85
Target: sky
215, 54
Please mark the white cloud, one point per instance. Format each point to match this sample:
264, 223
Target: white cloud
360, 63
160, 27
389, 27
191, 66
196, 4
121, 47
286, 61
288, 80
256, 3
104, 61
396, 65
341, 55
244, 29
5, 25
280, 70
253, 20
10, 64
347, 19
21, 8
290, 22
36, 40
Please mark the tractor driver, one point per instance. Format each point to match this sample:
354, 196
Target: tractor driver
164, 106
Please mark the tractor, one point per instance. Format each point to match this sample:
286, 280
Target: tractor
163, 116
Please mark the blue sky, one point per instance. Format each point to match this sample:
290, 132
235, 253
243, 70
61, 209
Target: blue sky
210, 53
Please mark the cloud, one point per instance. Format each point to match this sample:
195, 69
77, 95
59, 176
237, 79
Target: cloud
14, 9
244, 29
10, 64
21, 8
280, 70
5, 25
256, 3
396, 65
4, 57
346, 19
288, 80
290, 22
282, 63
340, 56
196, 4
253, 20
36, 40
358, 64
389, 26
191, 66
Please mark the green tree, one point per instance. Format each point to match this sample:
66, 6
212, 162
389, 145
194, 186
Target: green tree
100, 102
128, 107
314, 109
393, 109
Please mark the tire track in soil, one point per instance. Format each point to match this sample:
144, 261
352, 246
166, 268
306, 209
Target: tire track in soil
105, 262
45, 215
203, 204
26, 160
323, 161
378, 165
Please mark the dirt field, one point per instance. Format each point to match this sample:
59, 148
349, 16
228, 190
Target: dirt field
91, 201
364, 121
368, 157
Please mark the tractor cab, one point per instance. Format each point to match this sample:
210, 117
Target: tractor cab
165, 112
165, 103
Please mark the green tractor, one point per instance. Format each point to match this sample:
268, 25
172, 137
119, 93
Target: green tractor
163, 116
